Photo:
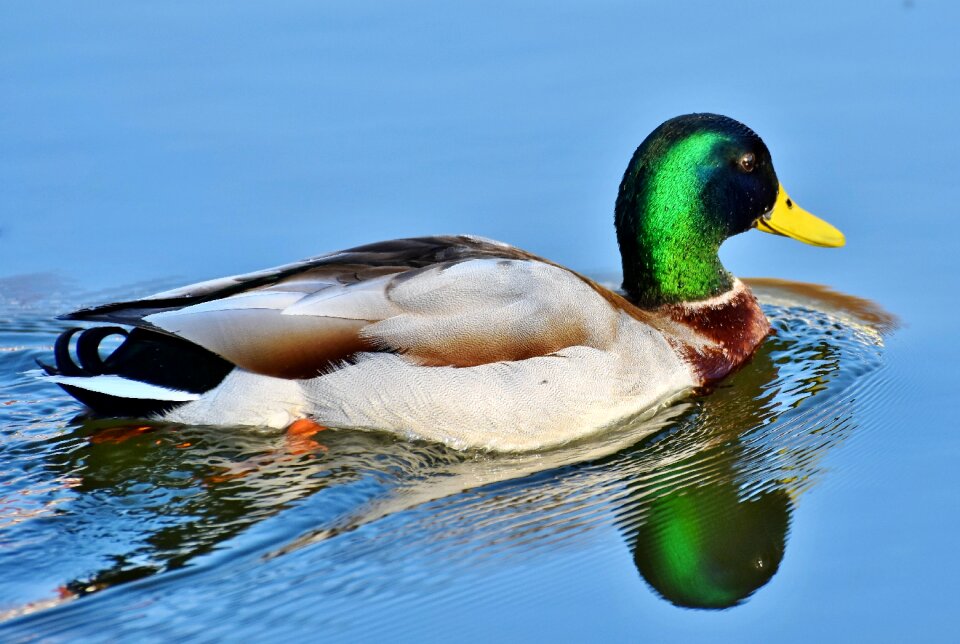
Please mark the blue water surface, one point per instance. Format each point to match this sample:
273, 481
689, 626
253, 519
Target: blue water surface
147, 144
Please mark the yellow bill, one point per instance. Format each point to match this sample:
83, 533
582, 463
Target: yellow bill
790, 220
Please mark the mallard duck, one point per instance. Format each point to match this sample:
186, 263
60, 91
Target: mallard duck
461, 339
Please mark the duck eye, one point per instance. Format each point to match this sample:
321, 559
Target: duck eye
748, 162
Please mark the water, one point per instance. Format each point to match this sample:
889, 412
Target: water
148, 145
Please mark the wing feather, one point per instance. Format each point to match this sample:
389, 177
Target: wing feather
361, 301
457, 301
490, 310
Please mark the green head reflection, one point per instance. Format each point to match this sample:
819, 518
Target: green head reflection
703, 540
704, 547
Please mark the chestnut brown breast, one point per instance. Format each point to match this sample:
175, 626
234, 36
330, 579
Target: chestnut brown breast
730, 331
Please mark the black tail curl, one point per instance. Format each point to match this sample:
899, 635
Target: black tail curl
144, 355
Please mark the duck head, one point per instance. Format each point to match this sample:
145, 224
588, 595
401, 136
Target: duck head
695, 181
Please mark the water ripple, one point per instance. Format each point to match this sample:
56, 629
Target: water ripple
166, 528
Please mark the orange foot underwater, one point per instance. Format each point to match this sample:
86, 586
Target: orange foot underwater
299, 434
120, 434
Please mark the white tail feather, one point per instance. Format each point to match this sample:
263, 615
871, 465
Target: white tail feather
123, 388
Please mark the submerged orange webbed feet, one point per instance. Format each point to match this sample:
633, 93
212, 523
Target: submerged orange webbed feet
298, 438
118, 435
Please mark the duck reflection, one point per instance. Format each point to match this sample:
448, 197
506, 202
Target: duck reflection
710, 541
703, 492
168, 494
708, 548
709, 529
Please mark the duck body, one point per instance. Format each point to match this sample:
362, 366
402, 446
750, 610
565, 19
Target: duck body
457, 339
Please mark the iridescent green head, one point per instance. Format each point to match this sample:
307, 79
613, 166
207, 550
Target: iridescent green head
695, 181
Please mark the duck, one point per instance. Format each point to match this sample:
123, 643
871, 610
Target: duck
460, 339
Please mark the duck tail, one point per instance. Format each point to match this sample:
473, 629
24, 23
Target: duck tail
147, 374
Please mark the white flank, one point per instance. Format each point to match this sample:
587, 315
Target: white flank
245, 398
505, 406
